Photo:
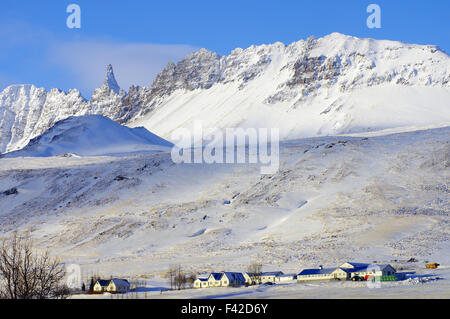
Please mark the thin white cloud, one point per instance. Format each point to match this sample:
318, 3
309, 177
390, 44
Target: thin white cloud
134, 63
80, 62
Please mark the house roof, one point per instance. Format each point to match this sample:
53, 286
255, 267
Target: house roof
370, 267
317, 271
217, 275
103, 283
357, 265
202, 279
235, 276
272, 273
120, 282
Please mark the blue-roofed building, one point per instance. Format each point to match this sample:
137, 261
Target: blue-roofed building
322, 274
221, 279
201, 283
346, 271
215, 279
234, 279
361, 270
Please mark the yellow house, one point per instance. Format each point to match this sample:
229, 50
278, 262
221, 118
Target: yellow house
222, 279
118, 286
201, 283
215, 279
101, 286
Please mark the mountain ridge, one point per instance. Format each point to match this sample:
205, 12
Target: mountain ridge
322, 72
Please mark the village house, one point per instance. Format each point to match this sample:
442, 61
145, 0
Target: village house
118, 286
201, 283
235, 279
222, 279
101, 286
215, 280
112, 286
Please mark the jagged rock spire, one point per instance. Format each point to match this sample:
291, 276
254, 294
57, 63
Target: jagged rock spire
110, 80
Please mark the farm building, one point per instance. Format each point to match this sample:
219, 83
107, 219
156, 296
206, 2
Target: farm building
347, 271
322, 274
366, 270
101, 286
270, 276
118, 286
285, 278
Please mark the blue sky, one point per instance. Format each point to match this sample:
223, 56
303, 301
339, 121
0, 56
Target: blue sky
139, 37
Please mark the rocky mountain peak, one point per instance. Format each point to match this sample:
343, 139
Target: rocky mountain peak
110, 80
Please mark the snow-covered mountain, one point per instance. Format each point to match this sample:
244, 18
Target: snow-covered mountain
331, 85
319, 86
91, 135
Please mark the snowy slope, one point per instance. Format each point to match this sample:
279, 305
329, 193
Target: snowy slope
91, 135
334, 199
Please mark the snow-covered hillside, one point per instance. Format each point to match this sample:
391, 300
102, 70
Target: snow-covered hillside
324, 86
91, 135
334, 199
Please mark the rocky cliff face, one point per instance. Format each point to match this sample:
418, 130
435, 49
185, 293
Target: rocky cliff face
319, 76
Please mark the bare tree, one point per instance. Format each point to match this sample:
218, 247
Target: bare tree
190, 279
24, 274
180, 278
254, 270
171, 274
